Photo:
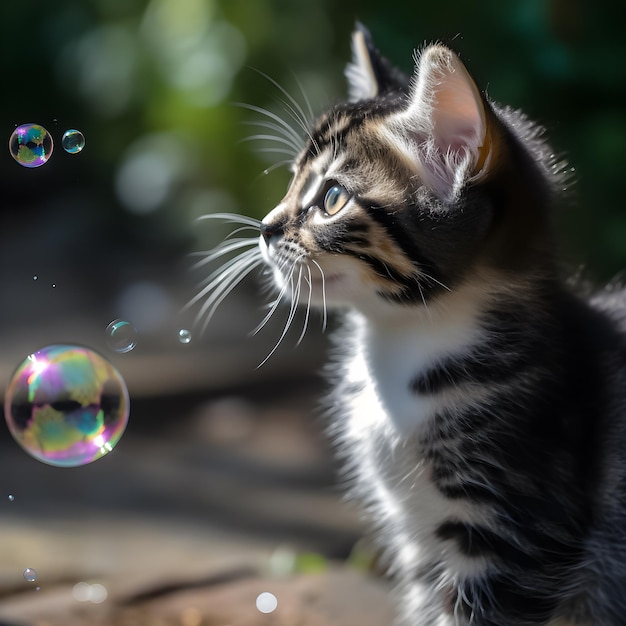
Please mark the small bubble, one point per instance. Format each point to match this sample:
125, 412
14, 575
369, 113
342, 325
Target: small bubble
73, 141
184, 335
266, 602
35, 277
30, 574
30, 145
121, 336
54, 285
11, 497
37, 588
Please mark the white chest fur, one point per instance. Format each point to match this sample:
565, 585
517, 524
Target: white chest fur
382, 426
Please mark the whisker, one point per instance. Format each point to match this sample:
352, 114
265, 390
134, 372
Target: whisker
265, 137
311, 116
272, 310
434, 280
222, 272
292, 312
297, 112
293, 107
324, 312
288, 129
231, 217
308, 307
217, 297
226, 268
279, 298
275, 166
224, 248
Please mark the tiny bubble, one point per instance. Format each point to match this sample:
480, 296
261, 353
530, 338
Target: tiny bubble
11, 497
53, 285
73, 141
121, 336
35, 277
37, 588
266, 602
266, 172
30, 574
184, 335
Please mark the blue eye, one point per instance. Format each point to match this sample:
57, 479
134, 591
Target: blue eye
336, 198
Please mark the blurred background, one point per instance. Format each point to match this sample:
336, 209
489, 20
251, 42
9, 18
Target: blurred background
223, 485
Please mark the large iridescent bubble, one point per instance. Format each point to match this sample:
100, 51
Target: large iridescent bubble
66, 405
31, 145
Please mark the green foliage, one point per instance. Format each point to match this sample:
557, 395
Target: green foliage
154, 81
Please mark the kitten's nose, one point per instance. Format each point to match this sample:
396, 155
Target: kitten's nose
269, 230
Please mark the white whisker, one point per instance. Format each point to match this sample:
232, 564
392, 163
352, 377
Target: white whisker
217, 297
217, 278
224, 248
324, 311
281, 140
231, 217
434, 280
288, 129
308, 307
295, 292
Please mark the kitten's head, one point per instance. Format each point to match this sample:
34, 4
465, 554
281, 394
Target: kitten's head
409, 188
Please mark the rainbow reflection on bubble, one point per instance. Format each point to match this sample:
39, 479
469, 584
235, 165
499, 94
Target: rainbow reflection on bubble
66, 405
31, 145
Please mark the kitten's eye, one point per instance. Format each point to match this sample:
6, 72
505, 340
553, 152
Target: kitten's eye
336, 198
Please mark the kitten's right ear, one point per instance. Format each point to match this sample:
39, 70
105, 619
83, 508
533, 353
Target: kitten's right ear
370, 74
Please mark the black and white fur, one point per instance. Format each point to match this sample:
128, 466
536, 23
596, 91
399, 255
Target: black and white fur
479, 406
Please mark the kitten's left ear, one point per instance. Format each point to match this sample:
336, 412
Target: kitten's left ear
448, 122
370, 74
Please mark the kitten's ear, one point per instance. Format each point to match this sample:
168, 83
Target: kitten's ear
448, 120
370, 74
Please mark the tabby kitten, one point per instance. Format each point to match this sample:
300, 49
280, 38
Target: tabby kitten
479, 406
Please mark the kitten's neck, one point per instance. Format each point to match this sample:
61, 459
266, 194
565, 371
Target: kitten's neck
398, 344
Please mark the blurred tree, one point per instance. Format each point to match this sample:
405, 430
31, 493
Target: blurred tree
151, 84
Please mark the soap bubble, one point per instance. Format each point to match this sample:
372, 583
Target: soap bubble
184, 335
30, 145
121, 336
66, 405
266, 602
30, 574
73, 141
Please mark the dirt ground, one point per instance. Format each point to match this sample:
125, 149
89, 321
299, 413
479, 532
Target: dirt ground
209, 500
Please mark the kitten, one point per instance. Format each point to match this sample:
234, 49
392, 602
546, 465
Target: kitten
479, 406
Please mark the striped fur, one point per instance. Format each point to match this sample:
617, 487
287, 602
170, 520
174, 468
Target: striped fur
479, 406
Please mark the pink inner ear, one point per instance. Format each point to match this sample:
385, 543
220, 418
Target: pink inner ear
456, 111
446, 118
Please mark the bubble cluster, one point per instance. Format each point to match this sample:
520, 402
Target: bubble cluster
31, 145
121, 336
30, 575
184, 335
66, 405
73, 141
